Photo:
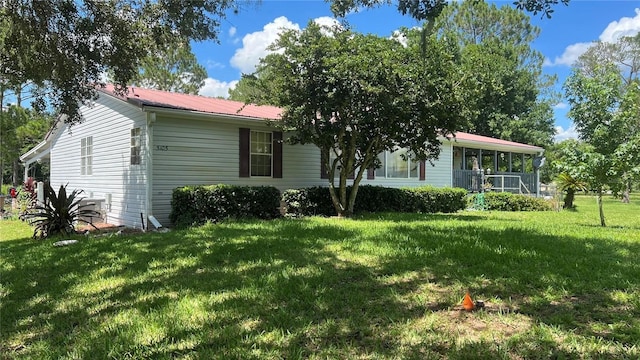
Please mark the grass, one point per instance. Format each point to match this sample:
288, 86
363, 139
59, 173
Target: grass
556, 285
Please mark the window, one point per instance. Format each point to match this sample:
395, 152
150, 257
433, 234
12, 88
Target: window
382, 170
261, 153
136, 146
397, 165
86, 155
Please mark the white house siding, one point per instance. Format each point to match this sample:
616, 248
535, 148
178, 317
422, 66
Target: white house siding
205, 152
189, 151
109, 122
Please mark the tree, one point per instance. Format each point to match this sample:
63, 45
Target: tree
251, 88
624, 55
172, 68
564, 160
68, 45
606, 114
355, 96
21, 129
429, 9
510, 97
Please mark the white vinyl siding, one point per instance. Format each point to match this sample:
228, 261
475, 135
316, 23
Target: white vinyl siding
108, 122
205, 152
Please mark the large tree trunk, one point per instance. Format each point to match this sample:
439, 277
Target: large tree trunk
568, 199
599, 197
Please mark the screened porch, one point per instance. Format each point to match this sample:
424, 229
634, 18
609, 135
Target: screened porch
492, 170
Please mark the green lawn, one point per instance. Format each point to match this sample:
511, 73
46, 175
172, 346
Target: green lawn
556, 285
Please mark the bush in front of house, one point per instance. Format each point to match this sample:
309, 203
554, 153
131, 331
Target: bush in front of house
504, 201
428, 199
308, 202
195, 205
317, 201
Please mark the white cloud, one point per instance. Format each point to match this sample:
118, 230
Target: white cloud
215, 88
328, 22
562, 134
560, 105
254, 45
232, 31
399, 37
626, 26
212, 64
570, 55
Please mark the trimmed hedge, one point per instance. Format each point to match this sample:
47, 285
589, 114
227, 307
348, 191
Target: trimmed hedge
504, 201
317, 201
195, 205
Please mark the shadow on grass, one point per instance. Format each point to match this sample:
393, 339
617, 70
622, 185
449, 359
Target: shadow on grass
298, 288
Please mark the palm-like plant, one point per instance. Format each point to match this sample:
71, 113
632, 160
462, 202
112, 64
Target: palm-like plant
570, 184
58, 214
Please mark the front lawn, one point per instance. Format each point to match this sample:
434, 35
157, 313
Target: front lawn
556, 285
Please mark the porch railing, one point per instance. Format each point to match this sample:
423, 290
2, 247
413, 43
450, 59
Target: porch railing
476, 181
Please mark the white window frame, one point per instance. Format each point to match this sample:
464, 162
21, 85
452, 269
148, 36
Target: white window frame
86, 155
261, 145
385, 171
136, 146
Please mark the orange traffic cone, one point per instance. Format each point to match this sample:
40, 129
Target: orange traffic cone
467, 303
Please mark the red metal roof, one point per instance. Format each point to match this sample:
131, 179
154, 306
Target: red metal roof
169, 100
489, 140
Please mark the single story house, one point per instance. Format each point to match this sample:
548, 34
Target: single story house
131, 151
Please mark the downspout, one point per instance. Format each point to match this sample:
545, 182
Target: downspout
151, 119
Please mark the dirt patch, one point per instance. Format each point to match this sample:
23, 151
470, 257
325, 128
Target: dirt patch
493, 321
105, 228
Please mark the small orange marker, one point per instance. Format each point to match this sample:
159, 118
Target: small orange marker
467, 303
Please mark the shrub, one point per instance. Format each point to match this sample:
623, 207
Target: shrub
504, 201
317, 201
193, 205
438, 200
59, 214
27, 196
308, 202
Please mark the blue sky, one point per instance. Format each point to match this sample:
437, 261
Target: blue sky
244, 37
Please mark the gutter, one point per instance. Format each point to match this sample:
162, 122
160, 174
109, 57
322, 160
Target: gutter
203, 115
528, 149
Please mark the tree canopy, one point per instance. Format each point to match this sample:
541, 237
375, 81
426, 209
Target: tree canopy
604, 93
67, 46
172, 68
506, 90
20, 130
430, 9
355, 96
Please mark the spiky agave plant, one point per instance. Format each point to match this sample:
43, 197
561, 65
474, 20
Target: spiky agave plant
59, 213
